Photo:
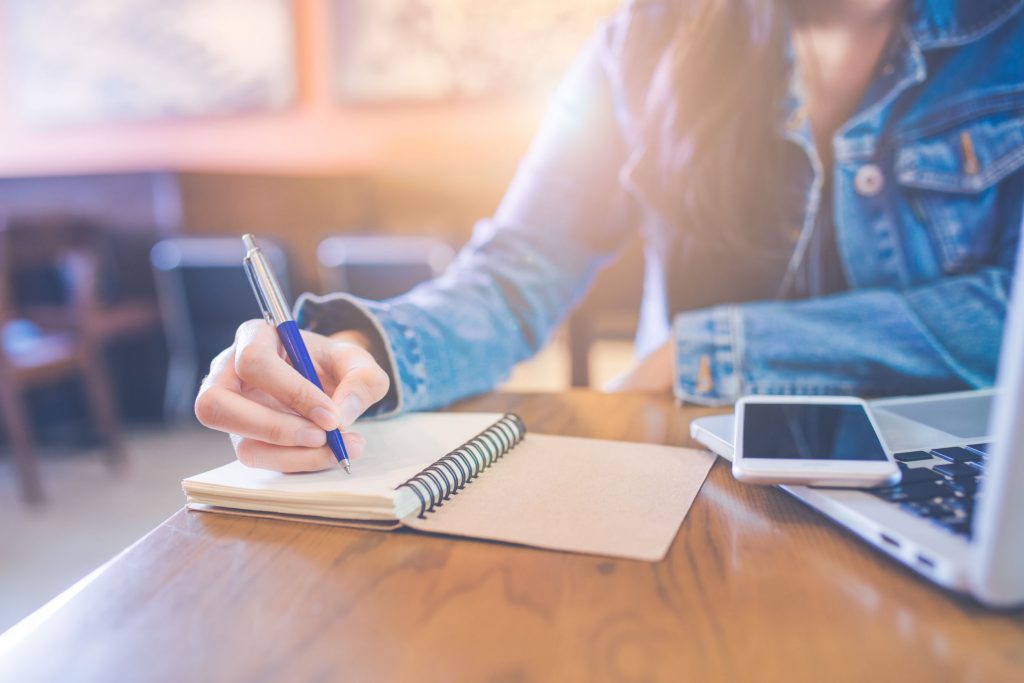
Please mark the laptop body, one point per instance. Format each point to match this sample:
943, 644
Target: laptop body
964, 532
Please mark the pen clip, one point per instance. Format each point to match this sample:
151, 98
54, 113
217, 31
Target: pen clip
250, 273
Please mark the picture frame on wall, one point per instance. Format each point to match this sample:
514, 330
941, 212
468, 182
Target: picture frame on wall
441, 50
96, 61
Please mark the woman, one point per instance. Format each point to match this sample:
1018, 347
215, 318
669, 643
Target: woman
829, 191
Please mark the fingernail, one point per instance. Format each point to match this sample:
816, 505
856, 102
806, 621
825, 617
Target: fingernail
351, 408
324, 418
310, 437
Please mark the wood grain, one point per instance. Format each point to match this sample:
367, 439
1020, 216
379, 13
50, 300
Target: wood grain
756, 587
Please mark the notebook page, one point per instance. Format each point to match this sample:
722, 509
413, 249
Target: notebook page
578, 495
396, 450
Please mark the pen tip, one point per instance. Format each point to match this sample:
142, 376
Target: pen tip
249, 241
348, 470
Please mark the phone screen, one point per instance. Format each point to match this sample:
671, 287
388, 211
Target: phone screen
806, 431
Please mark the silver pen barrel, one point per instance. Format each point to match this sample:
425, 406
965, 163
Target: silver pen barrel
267, 289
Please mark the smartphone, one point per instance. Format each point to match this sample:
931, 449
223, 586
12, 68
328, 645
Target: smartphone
812, 441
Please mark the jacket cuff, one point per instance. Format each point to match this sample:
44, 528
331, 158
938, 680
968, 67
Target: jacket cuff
708, 352
339, 312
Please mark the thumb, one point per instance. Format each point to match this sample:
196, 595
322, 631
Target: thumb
361, 382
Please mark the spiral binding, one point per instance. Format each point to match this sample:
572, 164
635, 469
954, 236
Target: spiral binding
447, 476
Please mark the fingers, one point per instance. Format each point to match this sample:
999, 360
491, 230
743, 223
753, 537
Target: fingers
222, 371
275, 416
361, 381
225, 404
218, 407
258, 454
258, 363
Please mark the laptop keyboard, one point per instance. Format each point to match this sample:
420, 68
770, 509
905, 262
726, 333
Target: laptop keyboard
940, 485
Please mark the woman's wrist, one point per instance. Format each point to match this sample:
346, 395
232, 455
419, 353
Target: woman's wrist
356, 337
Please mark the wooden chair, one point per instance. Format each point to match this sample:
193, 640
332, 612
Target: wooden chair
62, 339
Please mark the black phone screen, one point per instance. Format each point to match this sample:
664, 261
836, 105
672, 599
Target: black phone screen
807, 431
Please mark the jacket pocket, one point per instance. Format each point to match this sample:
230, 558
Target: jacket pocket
952, 175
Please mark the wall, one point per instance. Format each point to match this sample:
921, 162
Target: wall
315, 136
317, 168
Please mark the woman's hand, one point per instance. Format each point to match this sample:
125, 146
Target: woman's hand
277, 418
652, 374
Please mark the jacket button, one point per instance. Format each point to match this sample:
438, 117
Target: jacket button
869, 180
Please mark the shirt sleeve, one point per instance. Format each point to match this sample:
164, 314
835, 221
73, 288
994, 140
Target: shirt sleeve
943, 336
564, 215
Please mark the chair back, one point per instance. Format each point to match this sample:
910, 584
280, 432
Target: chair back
50, 262
204, 296
380, 266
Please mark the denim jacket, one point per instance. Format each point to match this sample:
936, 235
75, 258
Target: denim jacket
926, 205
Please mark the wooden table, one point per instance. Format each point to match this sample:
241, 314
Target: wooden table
756, 587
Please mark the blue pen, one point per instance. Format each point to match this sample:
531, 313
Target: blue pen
276, 313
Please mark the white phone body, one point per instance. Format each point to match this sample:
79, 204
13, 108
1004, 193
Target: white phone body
806, 471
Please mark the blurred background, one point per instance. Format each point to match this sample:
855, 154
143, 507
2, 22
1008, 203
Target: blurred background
359, 139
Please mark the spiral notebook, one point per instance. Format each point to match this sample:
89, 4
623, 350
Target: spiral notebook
480, 475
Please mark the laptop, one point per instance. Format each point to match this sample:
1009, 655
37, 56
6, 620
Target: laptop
957, 516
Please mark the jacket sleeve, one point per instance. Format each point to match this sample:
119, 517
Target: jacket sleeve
563, 216
940, 336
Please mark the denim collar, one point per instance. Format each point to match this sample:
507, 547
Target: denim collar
947, 23
928, 25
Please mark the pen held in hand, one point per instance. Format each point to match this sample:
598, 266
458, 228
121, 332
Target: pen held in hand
276, 312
